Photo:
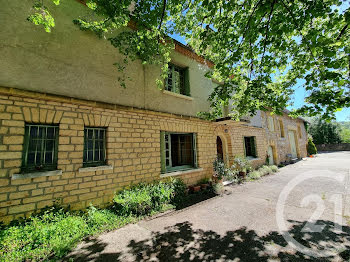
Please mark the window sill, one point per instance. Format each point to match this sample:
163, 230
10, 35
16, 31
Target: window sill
36, 174
253, 158
177, 95
178, 173
94, 168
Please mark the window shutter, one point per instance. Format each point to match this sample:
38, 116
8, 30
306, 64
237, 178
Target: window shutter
254, 146
187, 82
162, 151
195, 162
244, 147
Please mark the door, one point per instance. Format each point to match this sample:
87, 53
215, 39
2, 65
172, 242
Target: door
293, 147
270, 154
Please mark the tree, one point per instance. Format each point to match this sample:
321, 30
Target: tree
324, 132
260, 48
311, 148
345, 131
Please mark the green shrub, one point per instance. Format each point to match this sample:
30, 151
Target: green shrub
311, 148
143, 199
179, 191
265, 170
274, 168
254, 175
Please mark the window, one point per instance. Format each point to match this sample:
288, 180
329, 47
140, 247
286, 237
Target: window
281, 128
40, 148
178, 151
178, 80
270, 123
94, 146
249, 146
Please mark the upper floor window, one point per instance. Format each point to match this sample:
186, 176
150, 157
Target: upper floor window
281, 127
40, 148
178, 80
178, 151
271, 124
94, 146
250, 147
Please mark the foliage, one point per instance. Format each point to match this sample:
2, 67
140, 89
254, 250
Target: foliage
42, 16
311, 148
53, 232
345, 131
260, 49
324, 132
218, 188
143, 199
220, 169
254, 175
241, 164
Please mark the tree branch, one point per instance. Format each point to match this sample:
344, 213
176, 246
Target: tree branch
342, 31
163, 13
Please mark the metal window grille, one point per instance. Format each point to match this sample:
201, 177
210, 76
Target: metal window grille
176, 79
94, 146
40, 148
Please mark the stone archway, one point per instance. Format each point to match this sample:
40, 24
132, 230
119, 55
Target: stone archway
222, 147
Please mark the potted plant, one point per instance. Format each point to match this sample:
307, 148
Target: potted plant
220, 170
241, 165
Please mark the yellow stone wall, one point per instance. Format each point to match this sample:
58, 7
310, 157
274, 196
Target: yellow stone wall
133, 149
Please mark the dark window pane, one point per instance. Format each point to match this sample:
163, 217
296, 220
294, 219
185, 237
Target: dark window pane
48, 158
94, 146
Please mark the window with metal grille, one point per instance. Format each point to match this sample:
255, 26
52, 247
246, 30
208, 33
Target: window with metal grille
40, 148
178, 151
94, 146
177, 80
249, 145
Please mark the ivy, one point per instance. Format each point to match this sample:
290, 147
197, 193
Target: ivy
260, 48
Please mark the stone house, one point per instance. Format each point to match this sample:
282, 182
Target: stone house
70, 133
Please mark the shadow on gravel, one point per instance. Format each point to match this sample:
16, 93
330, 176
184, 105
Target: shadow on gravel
182, 242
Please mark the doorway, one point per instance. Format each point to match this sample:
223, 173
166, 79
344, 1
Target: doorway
219, 148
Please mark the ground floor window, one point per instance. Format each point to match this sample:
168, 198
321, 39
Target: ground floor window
40, 148
178, 151
94, 146
250, 146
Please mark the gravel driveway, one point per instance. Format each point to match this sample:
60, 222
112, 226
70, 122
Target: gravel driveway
242, 224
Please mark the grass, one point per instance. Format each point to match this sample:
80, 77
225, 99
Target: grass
52, 233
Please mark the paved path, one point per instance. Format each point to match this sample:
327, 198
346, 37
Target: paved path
241, 225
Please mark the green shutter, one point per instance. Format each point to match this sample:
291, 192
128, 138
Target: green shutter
162, 151
254, 146
187, 82
195, 162
244, 147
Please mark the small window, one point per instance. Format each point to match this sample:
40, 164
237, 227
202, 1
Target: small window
40, 148
250, 147
177, 80
178, 151
281, 128
94, 146
271, 125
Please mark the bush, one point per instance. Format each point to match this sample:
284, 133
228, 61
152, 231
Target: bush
311, 148
274, 168
254, 175
143, 199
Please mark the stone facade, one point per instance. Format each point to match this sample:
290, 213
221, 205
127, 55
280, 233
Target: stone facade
133, 149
